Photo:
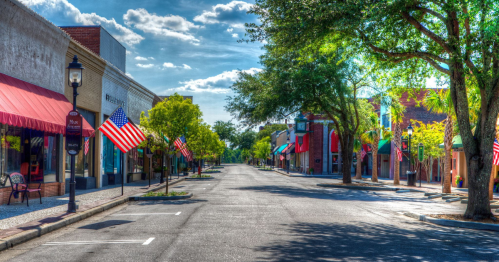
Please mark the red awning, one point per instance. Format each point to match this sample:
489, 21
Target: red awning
304, 145
287, 148
334, 142
26, 105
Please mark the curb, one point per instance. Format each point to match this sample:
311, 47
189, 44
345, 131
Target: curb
403, 190
453, 223
27, 235
141, 198
316, 176
199, 178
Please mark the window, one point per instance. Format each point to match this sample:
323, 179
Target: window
135, 160
385, 121
83, 162
111, 157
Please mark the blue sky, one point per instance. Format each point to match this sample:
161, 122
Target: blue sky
184, 46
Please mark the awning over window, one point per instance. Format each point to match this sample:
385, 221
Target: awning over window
304, 146
384, 147
280, 149
288, 148
26, 105
457, 142
334, 142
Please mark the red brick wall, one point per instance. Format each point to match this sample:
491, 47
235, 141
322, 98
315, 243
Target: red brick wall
315, 146
47, 190
87, 36
415, 112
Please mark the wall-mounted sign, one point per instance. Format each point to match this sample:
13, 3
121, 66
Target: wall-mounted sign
74, 125
405, 145
115, 100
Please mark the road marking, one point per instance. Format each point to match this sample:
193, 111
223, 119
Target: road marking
94, 242
148, 241
178, 213
144, 214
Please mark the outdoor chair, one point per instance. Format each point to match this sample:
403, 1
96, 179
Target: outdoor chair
19, 185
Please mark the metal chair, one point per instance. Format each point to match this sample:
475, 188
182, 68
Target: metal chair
19, 185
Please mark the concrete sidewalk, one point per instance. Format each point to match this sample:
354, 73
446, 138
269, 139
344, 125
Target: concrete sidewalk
18, 217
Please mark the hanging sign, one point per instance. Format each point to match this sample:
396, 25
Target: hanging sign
405, 147
148, 152
74, 127
420, 152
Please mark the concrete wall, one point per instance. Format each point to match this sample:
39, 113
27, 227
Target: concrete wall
140, 100
112, 50
31, 48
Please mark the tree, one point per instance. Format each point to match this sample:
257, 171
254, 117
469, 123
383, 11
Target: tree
321, 84
204, 143
245, 154
365, 111
372, 137
269, 129
431, 136
441, 102
453, 38
262, 149
397, 114
173, 117
244, 140
225, 130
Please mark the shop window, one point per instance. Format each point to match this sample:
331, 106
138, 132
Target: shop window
12, 146
50, 153
136, 160
83, 162
111, 157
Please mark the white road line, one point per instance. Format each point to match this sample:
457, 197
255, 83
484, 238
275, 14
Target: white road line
178, 213
142, 214
148, 241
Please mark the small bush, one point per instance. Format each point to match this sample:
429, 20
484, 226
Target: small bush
160, 194
200, 176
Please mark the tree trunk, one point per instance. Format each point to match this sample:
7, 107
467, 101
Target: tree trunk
478, 179
397, 142
448, 155
347, 156
167, 171
358, 173
199, 167
375, 159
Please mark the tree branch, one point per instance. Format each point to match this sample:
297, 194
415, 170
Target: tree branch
432, 12
426, 31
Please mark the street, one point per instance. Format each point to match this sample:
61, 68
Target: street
249, 215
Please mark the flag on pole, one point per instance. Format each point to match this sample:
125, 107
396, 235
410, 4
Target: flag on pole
124, 134
496, 153
180, 144
87, 145
362, 153
399, 154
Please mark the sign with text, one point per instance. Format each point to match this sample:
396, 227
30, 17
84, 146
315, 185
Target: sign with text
74, 127
420, 152
405, 145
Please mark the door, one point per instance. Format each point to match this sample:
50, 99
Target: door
385, 166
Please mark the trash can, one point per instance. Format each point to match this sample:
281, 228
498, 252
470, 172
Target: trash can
411, 178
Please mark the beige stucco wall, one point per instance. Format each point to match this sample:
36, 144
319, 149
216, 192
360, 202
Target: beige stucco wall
31, 48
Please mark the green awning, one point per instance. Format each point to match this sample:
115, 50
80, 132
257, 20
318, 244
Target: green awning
280, 149
384, 147
457, 142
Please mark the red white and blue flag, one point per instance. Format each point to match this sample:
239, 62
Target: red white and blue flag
362, 154
399, 154
495, 161
180, 144
87, 145
124, 134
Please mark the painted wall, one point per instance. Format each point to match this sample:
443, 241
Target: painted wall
31, 48
112, 50
139, 100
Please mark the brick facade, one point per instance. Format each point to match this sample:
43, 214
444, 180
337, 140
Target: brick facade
88, 36
47, 190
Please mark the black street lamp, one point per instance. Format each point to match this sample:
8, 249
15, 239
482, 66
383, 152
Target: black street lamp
410, 174
75, 72
287, 160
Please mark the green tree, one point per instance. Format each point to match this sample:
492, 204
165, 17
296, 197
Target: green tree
372, 136
269, 129
204, 143
431, 136
245, 154
173, 117
452, 38
225, 130
244, 140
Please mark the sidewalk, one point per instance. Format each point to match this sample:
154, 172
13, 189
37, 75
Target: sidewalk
18, 217
298, 174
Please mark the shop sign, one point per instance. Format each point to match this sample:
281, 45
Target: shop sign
74, 127
115, 100
405, 145
420, 152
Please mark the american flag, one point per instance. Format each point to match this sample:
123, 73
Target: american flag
122, 133
180, 144
495, 161
87, 145
362, 154
399, 154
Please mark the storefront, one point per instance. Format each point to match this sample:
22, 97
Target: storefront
32, 126
301, 149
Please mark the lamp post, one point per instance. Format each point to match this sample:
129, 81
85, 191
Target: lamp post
287, 160
410, 174
75, 72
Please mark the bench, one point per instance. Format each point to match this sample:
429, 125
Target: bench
19, 185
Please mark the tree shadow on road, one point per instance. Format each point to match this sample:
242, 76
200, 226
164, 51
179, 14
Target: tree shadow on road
333, 194
167, 202
371, 242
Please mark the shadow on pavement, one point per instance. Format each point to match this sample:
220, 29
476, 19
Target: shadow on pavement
105, 224
167, 202
372, 242
329, 193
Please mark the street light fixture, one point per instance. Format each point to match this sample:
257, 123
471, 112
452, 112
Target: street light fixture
287, 161
75, 80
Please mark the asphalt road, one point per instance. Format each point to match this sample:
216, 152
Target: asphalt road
249, 215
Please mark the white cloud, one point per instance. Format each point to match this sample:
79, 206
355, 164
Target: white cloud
216, 84
230, 30
233, 13
129, 75
169, 65
64, 10
140, 58
128, 52
145, 65
152, 58
169, 26
235, 35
